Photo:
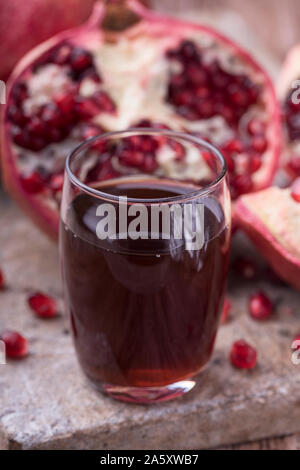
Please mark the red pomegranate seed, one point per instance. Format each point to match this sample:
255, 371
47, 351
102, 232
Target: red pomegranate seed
245, 267
255, 163
2, 282
242, 355
205, 109
295, 190
149, 164
80, 59
52, 116
19, 92
34, 183
202, 92
20, 137
243, 184
131, 158
43, 305
36, 127
86, 108
65, 103
56, 182
61, 56
294, 164
297, 338
259, 144
15, 344
15, 115
260, 306
234, 145
226, 309
239, 96
196, 74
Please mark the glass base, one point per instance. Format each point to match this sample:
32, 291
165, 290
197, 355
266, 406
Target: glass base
148, 395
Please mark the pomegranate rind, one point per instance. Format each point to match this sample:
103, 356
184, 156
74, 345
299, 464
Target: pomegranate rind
46, 217
283, 259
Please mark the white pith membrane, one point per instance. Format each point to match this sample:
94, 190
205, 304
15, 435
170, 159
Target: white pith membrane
280, 213
135, 74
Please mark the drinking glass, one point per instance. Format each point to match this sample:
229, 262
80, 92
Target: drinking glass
144, 244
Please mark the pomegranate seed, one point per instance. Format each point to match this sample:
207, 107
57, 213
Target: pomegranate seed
91, 74
242, 355
86, 108
221, 79
80, 59
256, 126
2, 282
20, 137
55, 134
183, 98
242, 184
56, 182
43, 305
178, 149
259, 144
229, 160
260, 306
15, 344
297, 338
202, 92
34, 183
149, 164
226, 309
234, 145
255, 163
19, 92
246, 268
61, 56
130, 158
196, 75
226, 112
65, 103
188, 50
239, 97
15, 115
52, 116
295, 190
294, 164
205, 109
36, 127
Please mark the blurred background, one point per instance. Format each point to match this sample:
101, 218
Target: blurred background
276, 23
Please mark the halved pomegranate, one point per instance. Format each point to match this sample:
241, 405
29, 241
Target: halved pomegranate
288, 88
159, 72
271, 219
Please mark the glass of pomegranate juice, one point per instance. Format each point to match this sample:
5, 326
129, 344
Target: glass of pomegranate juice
144, 242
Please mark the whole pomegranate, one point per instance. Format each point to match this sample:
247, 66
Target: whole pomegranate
158, 72
23, 25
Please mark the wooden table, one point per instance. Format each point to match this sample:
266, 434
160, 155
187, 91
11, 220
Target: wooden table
46, 403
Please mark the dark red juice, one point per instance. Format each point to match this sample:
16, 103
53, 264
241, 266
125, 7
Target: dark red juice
143, 312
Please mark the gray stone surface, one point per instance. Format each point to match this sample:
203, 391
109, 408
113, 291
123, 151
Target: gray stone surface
46, 403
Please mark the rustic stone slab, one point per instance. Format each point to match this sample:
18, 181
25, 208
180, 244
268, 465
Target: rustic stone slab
46, 403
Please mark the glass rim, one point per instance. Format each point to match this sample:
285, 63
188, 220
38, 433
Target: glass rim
147, 131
